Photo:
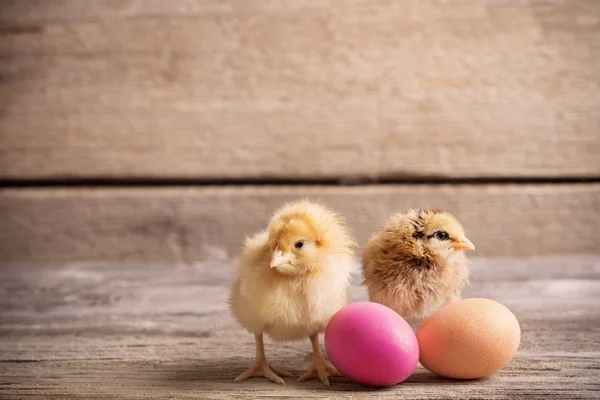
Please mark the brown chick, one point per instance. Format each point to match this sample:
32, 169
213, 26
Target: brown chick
291, 279
417, 264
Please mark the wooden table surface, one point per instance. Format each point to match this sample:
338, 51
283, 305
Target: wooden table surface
99, 330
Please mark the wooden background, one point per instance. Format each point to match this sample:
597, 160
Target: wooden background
140, 140
108, 107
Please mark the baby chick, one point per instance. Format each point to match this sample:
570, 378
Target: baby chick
416, 264
291, 279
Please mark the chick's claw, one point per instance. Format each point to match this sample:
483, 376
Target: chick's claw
320, 368
263, 368
332, 370
280, 372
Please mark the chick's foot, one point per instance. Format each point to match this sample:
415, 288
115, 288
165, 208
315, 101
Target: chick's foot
319, 367
322, 370
261, 367
280, 372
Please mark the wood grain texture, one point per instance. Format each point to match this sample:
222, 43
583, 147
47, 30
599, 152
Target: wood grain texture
268, 89
191, 224
149, 330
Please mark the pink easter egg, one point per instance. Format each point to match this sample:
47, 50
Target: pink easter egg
371, 344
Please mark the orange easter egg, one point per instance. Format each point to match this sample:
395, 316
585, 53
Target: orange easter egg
469, 339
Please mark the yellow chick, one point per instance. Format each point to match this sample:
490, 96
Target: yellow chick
291, 279
417, 263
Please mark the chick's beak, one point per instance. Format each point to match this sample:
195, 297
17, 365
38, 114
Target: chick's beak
463, 244
278, 258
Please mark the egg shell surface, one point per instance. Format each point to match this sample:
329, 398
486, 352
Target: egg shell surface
469, 339
371, 344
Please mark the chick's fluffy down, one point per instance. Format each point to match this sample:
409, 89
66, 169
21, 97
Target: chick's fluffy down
291, 307
412, 273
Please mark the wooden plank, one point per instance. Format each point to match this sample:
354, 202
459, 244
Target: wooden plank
212, 89
148, 330
192, 223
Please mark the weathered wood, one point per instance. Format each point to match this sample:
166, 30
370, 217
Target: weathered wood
213, 89
127, 331
190, 224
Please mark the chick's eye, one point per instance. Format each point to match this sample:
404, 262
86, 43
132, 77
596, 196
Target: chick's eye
299, 244
441, 235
